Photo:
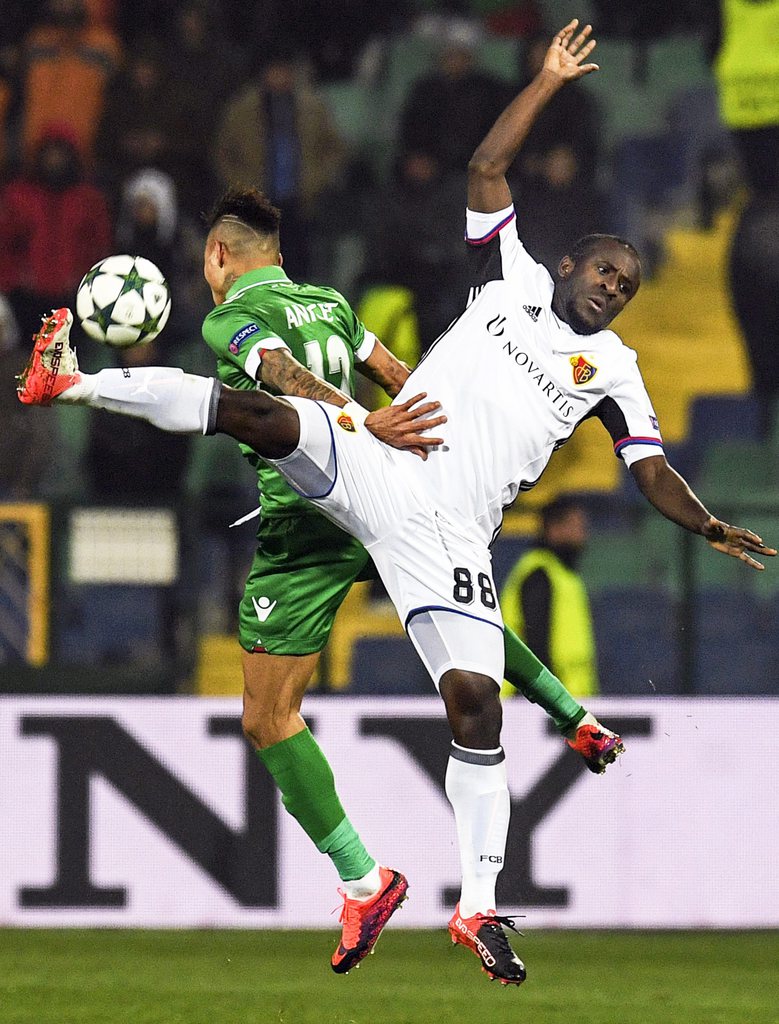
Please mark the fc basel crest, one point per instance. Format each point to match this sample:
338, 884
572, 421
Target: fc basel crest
346, 422
583, 372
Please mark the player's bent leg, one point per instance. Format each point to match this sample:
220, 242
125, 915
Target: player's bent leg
164, 396
597, 745
268, 425
273, 690
528, 675
274, 686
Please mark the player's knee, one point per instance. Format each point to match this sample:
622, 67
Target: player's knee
260, 723
252, 722
473, 708
267, 722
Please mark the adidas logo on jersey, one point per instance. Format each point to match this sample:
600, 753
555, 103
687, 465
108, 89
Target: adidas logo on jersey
534, 312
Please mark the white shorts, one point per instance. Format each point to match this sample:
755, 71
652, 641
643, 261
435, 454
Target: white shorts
428, 560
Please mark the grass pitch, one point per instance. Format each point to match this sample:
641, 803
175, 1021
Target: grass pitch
416, 977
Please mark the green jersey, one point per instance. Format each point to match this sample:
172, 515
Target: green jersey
265, 310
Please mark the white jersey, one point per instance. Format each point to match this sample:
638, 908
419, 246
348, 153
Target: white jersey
515, 381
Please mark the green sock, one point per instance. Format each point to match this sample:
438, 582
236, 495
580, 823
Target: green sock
538, 685
302, 773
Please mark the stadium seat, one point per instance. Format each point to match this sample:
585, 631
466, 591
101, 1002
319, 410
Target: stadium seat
635, 634
106, 625
628, 107
641, 84
734, 644
613, 560
735, 472
72, 430
693, 347
348, 103
558, 12
677, 63
715, 418
388, 666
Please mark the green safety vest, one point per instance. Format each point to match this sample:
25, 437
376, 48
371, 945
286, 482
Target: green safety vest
572, 640
747, 66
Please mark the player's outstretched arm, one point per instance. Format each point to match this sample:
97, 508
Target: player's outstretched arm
488, 190
400, 426
671, 495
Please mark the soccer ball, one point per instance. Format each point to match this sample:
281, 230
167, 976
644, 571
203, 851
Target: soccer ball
123, 301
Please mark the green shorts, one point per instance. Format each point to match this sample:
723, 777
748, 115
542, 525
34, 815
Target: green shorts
302, 570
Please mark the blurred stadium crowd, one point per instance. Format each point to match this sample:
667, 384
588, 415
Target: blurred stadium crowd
121, 121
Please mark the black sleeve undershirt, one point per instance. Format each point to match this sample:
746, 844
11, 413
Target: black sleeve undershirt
536, 598
612, 418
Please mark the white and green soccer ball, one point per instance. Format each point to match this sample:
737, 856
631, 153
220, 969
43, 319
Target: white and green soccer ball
123, 301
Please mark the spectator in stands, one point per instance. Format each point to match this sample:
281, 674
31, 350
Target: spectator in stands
144, 121
20, 479
147, 223
747, 71
754, 281
449, 111
555, 175
545, 601
414, 241
67, 66
277, 134
204, 68
54, 225
150, 223
335, 45
137, 464
570, 122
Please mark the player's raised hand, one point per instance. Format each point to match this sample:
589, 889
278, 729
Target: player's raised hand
402, 426
565, 57
736, 542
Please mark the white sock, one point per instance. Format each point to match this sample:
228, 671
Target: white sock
172, 400
365, 887
477, 790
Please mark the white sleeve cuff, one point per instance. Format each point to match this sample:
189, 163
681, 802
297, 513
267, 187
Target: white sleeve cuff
366, 347
254, 355
638, 450
479, 227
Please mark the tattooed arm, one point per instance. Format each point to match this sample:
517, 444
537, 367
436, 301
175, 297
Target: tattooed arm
384, 369
400, 426
281, 372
